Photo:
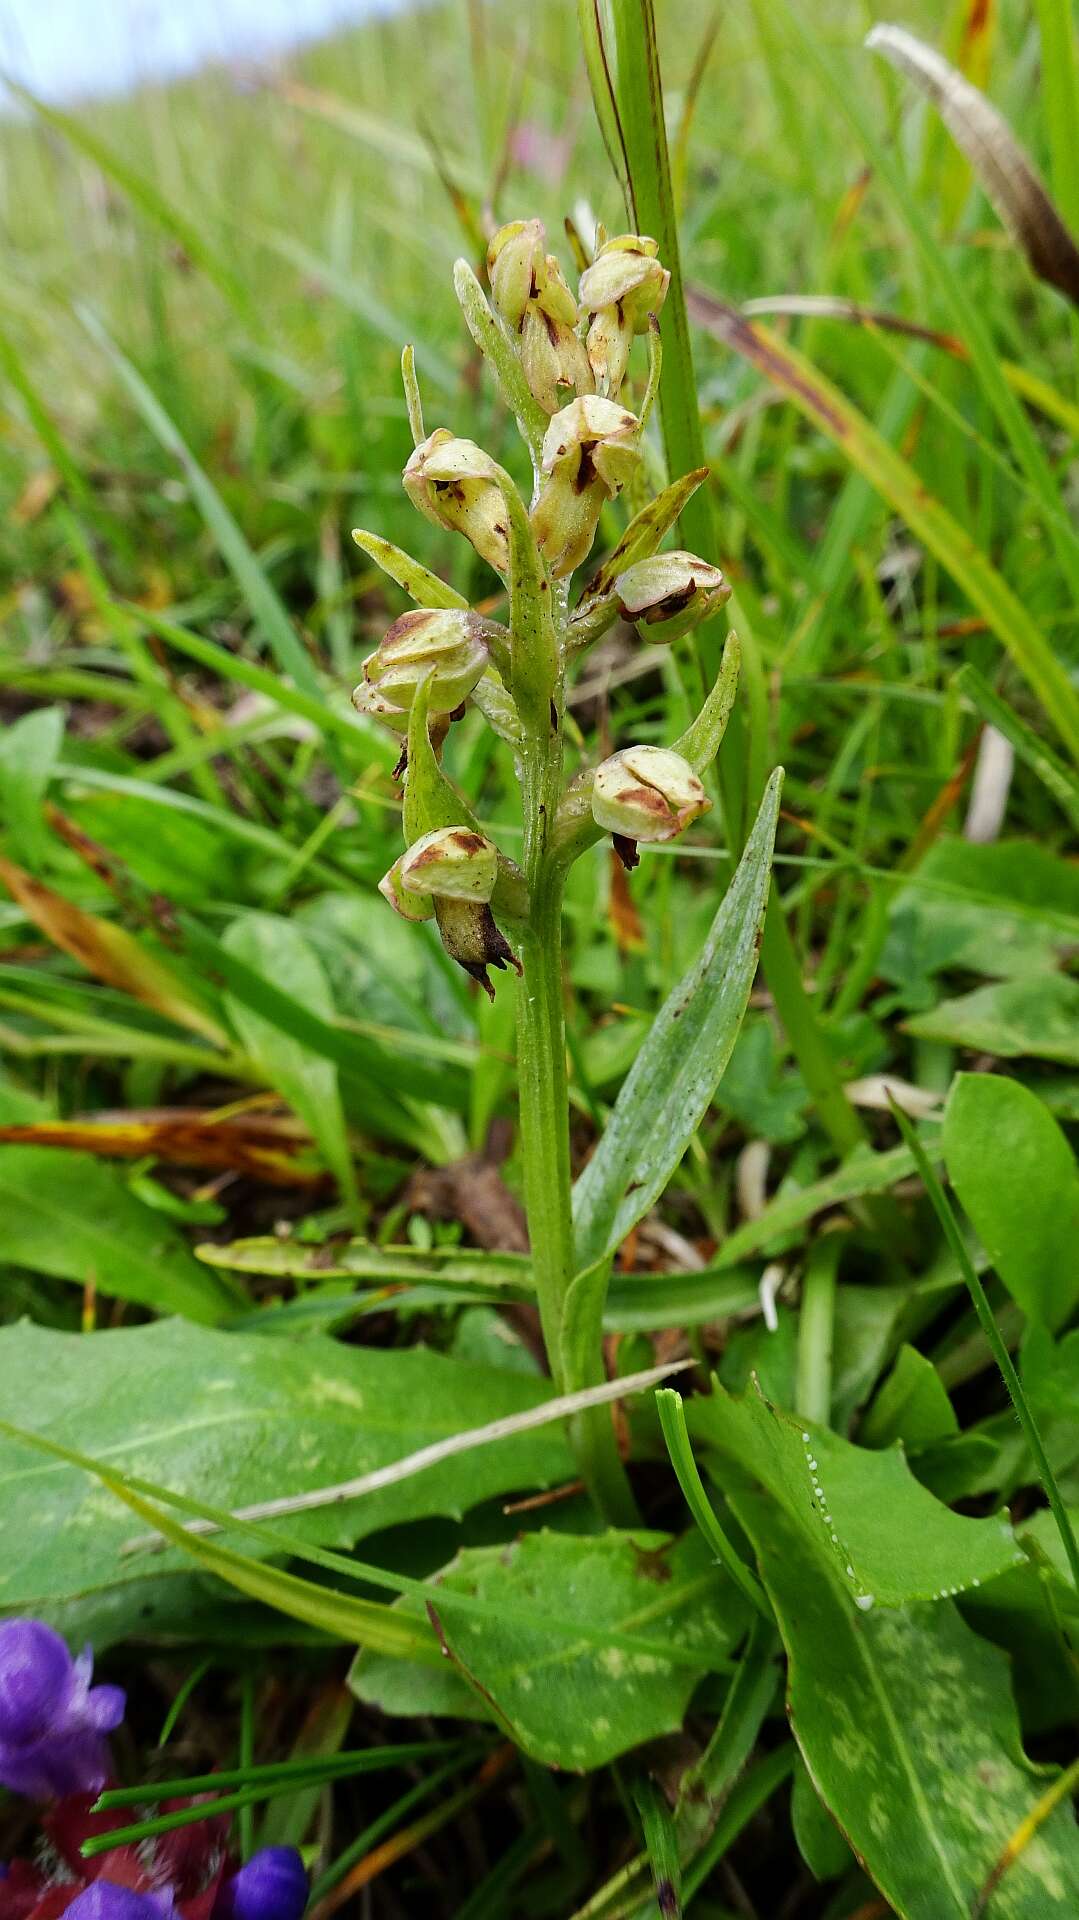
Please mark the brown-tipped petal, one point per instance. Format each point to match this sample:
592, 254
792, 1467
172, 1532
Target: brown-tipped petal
444, 645
670, 593
647, 793
590, 450
451, 863
453, 483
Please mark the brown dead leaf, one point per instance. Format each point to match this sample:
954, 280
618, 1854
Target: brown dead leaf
183, 1138
622, 908
110, 953
1005, 169
35, 496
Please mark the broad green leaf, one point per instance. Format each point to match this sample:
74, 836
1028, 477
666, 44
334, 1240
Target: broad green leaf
1016, 1176
820, 1842
911, 1406
573, 1705
277, 949
1037, 1015
878, 1531
1028, 1613
70, 1215
28, 752
674, 1077
1003, 910
345, 1616
242, 1419
907, 1728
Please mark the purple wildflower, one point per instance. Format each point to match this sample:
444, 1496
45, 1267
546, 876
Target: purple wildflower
103, 1900
52, 1722
272, 1886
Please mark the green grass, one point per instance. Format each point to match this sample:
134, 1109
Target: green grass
207, 289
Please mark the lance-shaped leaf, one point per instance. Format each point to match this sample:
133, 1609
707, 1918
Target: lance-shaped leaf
1015, 1173
1007, 173
704, 736
421, 585
673, 1078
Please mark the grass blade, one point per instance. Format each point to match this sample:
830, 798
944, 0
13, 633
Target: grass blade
899, 484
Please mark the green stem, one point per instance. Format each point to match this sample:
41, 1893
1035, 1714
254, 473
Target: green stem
544, 1104
543, 1095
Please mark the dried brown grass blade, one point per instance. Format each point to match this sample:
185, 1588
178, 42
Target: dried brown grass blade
1005, 170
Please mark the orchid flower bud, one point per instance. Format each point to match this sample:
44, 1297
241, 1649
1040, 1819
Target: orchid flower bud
589, 452
646, 793
52, 1722
531, 294
624, 284
272, 1886
553, 357
515, 261
454, 484
445, 645
670, 593
452, 863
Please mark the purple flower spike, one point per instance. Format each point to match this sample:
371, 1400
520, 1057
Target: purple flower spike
52, 1722
272, 1886
102, 1900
